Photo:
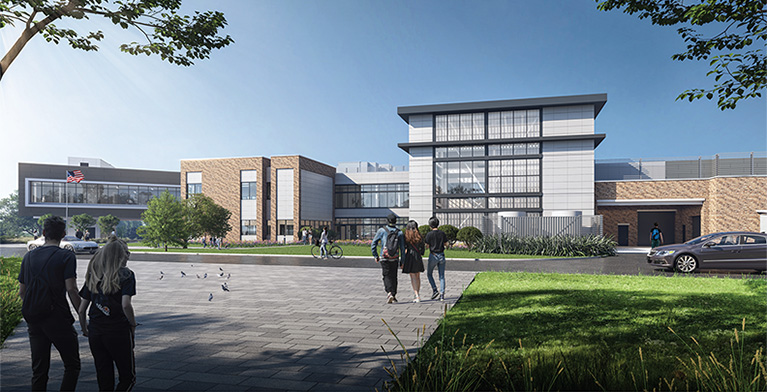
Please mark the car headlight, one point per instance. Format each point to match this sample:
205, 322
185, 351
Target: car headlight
665, 252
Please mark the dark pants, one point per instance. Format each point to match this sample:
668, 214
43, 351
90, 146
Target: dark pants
60, 333
389, 268
112, 349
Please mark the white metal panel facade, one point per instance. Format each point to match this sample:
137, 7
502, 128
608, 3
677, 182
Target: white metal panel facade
421, 183
284, 194
316, 196
194, 177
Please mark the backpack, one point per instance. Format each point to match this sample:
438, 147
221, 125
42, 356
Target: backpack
38, 301
391, 246
655, 234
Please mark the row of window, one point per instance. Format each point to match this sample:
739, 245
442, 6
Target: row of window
514, 176
363, 228
500, 125
492, 150
483, 221
248, 190
83, 193
372, 196
471, 203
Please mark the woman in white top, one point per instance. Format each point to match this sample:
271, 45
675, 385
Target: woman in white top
323, 242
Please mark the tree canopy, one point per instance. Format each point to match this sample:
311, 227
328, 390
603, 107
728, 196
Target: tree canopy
206, 217
11, 224
82, 222
107, 224
736, 53
165, 222
178, 39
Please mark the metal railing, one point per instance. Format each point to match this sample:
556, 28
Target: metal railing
549, 226
730, 164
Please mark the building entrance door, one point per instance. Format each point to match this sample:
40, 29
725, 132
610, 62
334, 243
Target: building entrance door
623, 235
646, 220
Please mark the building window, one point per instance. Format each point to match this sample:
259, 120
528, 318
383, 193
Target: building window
192, 189
513, 124
268, 190
248, 191
514, 176
512, 149
248, 227
462, 203
372, 196
285, 227
465, 126
459, 177
83, 193
362, 228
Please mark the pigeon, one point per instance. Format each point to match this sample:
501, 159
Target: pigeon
225, 287
220, 269
162, 273
182, 274
210, 297
198, 276
228, 276
205, 276
221, 275
161, 276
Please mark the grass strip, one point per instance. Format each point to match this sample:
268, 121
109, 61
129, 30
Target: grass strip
536, 331
349, 250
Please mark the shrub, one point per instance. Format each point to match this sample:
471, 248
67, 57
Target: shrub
469, 235
424, 229
561, 246
10, 303
451, 232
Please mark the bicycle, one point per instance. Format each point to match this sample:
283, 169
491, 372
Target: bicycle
333, 250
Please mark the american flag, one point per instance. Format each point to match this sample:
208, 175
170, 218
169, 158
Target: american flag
74, 176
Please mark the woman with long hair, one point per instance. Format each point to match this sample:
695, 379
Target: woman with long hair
413, 260
109, 286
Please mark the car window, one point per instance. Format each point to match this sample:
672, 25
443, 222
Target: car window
699, 239
726, 240
70, 238
752, 239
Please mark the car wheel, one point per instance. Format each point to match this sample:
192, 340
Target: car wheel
33, 246
685, 263
69, 248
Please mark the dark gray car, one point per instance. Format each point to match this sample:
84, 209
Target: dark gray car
727, 250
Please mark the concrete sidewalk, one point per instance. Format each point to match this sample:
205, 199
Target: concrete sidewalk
280, 328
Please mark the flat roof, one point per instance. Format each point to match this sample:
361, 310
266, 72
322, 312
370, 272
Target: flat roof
598, 100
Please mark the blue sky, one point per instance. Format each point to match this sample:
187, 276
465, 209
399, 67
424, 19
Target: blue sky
324, 79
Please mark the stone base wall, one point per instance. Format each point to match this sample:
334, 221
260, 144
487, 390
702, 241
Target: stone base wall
730, 203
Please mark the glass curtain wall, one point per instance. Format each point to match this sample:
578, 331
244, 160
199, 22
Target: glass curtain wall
112, 194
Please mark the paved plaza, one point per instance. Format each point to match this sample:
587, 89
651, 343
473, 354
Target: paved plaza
296, 328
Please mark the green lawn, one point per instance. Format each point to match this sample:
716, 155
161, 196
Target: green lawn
592, 327
349, 250
10, 303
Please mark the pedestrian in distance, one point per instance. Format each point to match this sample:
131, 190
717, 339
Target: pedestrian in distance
413, 260
303, 236
324, 243
392, 247
436, 241
87, 235
79, 234
108, 289
656, 236
48, 275
204, 242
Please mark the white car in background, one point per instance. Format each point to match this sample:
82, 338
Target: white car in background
68, 242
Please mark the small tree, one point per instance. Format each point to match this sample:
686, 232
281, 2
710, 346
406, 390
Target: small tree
107, 223
424, 229
83, 221
205, 217
469, 235
11, 223
451, 232
165, 222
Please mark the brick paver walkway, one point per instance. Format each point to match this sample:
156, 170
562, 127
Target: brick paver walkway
278, 328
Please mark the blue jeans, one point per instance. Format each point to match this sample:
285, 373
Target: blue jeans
323, 250
436, 260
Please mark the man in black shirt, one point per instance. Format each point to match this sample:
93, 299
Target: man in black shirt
56, 269
436, 240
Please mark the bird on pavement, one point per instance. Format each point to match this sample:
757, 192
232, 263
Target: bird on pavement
183, 274
225, 287
210, 297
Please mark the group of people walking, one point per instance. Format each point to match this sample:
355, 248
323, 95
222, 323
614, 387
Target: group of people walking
47, 277
405, 251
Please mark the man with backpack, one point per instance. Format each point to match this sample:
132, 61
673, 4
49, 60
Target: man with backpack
656, 236
47, 276
392, 247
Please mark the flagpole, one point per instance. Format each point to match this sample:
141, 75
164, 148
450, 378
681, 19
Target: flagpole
66, 204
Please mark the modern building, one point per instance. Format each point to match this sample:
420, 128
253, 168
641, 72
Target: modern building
269, 198
687, 197
474, 163
104, 189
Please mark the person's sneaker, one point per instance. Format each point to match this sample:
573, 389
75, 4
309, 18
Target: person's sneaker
390, 299
417, 300
442, 297
434, 295
394, 298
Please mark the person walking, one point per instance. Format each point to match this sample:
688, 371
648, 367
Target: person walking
413, 260
108, 289
303, 236
50, 271
436, 241
392, 247
323, 243
656, 236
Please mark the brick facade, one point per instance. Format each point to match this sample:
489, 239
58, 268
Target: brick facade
221, 182
730, 203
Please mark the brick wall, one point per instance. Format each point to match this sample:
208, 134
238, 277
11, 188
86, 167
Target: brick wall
730, 203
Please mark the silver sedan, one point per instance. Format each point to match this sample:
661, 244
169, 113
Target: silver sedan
69, 242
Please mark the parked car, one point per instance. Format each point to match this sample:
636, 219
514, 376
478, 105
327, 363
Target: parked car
68, 242
727, 250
